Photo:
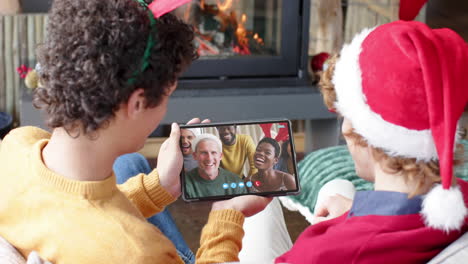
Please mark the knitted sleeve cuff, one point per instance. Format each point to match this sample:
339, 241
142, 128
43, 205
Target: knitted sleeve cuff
227, 215
155, 191
221, 239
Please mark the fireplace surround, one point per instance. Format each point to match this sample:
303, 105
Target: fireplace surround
254, 40
233, 84
226, 83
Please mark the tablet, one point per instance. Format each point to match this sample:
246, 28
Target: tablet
224, 160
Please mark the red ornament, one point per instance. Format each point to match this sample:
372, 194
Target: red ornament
317, 61
23, 71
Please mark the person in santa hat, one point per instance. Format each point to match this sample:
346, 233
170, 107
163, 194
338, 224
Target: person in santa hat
401, 88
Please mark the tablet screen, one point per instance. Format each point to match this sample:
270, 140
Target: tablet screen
228, 159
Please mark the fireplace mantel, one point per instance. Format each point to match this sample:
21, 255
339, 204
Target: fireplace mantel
243, 104
298, 103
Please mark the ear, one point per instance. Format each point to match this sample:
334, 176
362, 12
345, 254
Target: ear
194, 154
276, 160
221, 156
135, 103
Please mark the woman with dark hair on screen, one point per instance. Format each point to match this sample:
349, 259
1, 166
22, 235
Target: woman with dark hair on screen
267, 179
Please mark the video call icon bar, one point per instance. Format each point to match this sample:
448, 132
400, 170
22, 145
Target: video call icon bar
234, 185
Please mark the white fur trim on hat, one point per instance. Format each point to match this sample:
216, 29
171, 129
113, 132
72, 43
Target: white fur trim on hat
196, 131
204, 137
444, 209
352, 104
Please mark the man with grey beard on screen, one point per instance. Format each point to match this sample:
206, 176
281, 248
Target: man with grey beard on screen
208, 179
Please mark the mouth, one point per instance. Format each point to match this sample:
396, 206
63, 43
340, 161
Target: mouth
259, 161
185, 148
209, 165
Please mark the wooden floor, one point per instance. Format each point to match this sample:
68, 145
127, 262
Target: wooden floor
191, 217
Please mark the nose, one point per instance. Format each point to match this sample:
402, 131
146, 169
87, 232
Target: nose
208, 156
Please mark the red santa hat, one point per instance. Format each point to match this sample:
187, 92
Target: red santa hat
404, 87
204, 137
195, 130
409, 9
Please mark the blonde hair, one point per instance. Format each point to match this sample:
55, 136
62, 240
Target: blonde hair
423, 173
325, 84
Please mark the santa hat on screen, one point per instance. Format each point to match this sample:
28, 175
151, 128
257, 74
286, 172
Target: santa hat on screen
195, 130
404, 87
203, 137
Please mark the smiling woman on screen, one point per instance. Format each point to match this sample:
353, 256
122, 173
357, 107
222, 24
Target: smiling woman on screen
267, 179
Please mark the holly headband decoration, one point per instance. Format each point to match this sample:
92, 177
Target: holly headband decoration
155, 10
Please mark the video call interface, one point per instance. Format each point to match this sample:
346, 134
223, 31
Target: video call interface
230, 160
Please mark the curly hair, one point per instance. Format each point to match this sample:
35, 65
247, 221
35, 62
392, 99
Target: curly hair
92, 49
272, 142
326, 86
423, 173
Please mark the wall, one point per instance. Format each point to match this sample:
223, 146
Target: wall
19, 35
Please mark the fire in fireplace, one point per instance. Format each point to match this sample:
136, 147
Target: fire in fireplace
248, 39
223, 28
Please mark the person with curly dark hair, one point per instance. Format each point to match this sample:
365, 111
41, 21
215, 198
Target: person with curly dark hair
91, 62
269, 179
108, 68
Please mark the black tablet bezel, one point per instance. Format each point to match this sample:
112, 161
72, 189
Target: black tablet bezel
238, 123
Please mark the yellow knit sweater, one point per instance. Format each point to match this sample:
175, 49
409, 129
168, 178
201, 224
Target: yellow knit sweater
69, 221
234, 156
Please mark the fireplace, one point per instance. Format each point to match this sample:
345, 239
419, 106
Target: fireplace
247, 42
253, 65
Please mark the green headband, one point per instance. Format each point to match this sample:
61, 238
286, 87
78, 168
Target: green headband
149, 45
